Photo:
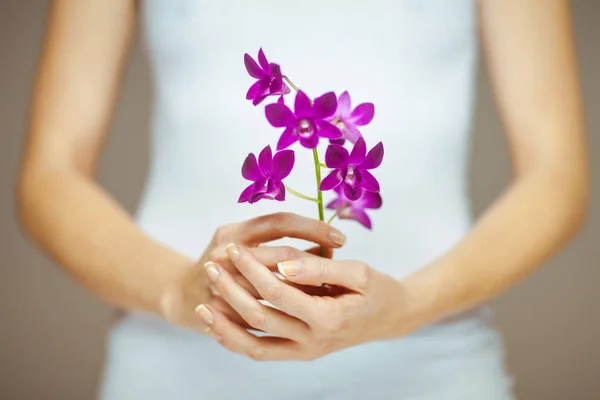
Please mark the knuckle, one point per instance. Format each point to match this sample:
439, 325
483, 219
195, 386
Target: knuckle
273, 293
257, 319
322, 268
279, 221
256, 352
287, 253
223, 234
363, 277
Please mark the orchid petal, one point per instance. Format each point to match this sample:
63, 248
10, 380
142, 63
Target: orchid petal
302, 106
259, 99
310, 142
371, 200
363, 114
254, 197
283, 162
279, 115
281, 195
263, 60
337, 203
343, 108
324, 106
328, 130
336, 156
245, 196
353, 192
275, 71
288, 137
358, 152
264, 160
359, 216
337, 141
331, 181
374, 158
252, 67
369, 182
351, 132
250, 169
253, 91
272, 189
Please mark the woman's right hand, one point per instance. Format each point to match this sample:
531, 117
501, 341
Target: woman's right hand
191, 287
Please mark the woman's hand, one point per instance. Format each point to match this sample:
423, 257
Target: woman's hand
307, 327
192, 287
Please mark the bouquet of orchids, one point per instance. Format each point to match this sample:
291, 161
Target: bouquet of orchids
327, 117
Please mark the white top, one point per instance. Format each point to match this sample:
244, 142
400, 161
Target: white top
415, 60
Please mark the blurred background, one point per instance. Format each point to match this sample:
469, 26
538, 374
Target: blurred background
52, 332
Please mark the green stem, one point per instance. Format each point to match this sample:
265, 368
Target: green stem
287, 80
323, 165
319, 193
332, 217
302, 196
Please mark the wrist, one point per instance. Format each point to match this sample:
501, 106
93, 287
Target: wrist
174, 296
419, 302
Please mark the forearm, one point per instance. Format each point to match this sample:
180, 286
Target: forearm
95, 240
535, 216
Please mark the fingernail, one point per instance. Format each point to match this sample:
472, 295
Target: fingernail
233, 252
212, 271
289, 268
214, 291
205, 314
338, 238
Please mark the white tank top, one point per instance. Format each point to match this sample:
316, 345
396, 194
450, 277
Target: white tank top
414, 60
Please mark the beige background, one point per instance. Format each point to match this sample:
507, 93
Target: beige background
52, 332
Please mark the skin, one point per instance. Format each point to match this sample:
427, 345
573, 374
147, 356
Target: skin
532, 66
75, 221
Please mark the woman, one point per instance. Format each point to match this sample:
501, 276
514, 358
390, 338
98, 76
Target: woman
409, 322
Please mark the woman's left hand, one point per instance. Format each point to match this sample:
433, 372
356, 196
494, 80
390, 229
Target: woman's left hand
305, 327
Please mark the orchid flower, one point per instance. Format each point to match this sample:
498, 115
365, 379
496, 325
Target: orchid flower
347, 120
267, 175
270, 81
351, 170
348, 209
307, 123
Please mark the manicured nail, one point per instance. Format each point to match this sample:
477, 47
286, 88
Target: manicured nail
212, 271
233, 251
205, 314
338, 238
289, 268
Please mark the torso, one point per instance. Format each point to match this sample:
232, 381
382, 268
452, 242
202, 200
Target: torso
415, 60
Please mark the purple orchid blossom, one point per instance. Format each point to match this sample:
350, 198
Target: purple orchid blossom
347, 119
270, 81
348, 209
351, 170
267, 175
307, 123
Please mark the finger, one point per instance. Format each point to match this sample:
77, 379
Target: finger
270, 256
286, 298
352, 275
257, 315
276, 226
236, 339
222, 306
